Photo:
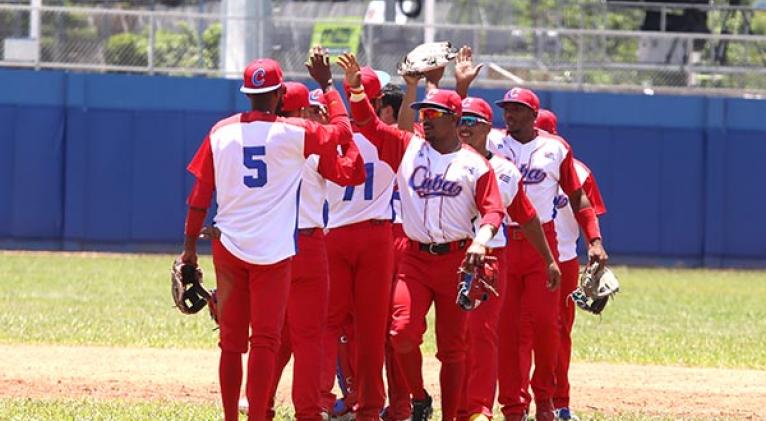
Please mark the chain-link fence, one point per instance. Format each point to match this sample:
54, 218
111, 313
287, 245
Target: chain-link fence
194, 44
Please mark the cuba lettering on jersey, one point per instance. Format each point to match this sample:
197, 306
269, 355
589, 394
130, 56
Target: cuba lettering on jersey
567, 228
367, 201
313, 187
258, 167
508, 177
438, 202
545, 164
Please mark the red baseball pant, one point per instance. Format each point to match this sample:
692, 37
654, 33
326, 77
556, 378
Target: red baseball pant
424, 279
250, 297
302, 332
528, 322
398, 392
570, 271
361, 266
479, 385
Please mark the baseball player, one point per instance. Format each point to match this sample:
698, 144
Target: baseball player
359, 247
529, 318
567, 232
478, 395
444, 186
309, 288
254, 162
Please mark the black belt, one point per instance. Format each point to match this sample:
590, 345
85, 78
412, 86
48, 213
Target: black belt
440, 248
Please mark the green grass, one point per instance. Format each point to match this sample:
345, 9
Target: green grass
119, 410
701, 318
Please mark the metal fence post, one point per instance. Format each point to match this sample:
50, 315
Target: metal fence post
150, 52
580, 59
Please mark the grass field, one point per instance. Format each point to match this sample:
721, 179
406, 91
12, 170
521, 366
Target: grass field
698, 318
27, 410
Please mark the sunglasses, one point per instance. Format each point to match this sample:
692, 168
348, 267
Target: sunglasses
470, 121
432, 113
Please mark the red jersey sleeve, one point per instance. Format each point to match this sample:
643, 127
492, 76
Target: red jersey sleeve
521, 209
568, 175
488, 199
346, 169
390, 141
594, 195
320, 138
201, 166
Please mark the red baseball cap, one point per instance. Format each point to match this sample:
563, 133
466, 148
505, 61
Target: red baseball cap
372, 82
261, 76
442, 99
520, 96
478, 107
296, 97
316, 98
547, 121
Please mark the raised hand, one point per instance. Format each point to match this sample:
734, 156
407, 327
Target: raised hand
353, 72
465, 71
318, 66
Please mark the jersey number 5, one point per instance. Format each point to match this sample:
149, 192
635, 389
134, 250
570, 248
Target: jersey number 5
250, 159
349, 193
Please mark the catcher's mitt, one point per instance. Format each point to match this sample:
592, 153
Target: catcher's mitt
475, 286
425, 57
597, 285
186, 286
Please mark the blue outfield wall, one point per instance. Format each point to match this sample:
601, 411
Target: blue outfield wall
95, 161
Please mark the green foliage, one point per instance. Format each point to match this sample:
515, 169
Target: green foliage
177, 48
126, 49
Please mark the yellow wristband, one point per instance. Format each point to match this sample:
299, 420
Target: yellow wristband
357, 97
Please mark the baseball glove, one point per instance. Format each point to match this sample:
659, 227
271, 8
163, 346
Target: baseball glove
425, 57
597, 286
475, 286
186, 286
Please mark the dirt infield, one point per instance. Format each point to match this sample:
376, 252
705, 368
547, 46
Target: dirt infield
190, 375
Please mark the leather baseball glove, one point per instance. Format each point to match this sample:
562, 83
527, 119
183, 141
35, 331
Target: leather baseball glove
425, 57
475, 286
597, 285
186, 287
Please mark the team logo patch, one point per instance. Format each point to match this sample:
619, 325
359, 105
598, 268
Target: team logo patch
259, 77
427, 186
505, 178
532, 175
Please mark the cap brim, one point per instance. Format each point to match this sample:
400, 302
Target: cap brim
246, 90
428, 104
502, 102
475, 114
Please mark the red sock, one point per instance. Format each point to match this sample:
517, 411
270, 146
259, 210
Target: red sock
230, 377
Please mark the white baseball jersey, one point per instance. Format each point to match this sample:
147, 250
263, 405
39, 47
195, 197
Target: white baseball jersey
367, 201
255, 162
545, 164
567, 228
439, 191
508, 177
313, 193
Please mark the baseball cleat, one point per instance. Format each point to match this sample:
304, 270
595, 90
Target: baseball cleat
422, 409
565, 414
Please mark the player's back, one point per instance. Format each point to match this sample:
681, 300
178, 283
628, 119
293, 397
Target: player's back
258, 163
368, 201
